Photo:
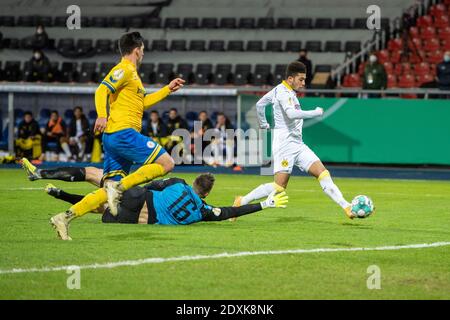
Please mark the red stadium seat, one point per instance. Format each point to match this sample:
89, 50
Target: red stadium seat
414, 32
427, 32
422, 68
352, 80
406, 81
424, 78
444, 33
395, 44
361, 68
415, 43
417, 56
446, 45
402, 68
431, 44
424, 21
438, 10
435, 56
396, 56
391, 81
383, 56
389, 67
441, 22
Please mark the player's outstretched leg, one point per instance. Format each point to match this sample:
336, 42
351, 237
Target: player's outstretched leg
333, 192
259, 192
163, 165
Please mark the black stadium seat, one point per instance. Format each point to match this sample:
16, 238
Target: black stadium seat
209, 23
26, 21
197, 45
87, 73
235, 45
178, 45
146, 72
333, 46
352, 46
105, 68
85, 47
136, 22
293, 46
190, 23
279, 73
164, 74
159, 45
45, 21
228, 23
274, 46
285, 23
7, 21
246, 23
154, 23
12, 71
265, 23
343, 23
60, 21
172, 23
313, 46
98, 22
261, 76
65, 46
322, 68
242, 74
303, 23
116, 22
360, 23
323, 23
254, 45
68, 72
186, 72
216, 45
203, 73
223, 74
103, 46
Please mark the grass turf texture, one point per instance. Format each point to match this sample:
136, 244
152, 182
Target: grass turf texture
408, 212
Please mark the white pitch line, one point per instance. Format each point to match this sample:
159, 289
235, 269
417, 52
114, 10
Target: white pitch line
138, 262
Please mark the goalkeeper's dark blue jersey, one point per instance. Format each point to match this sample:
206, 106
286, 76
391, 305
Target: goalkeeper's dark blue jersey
175, 202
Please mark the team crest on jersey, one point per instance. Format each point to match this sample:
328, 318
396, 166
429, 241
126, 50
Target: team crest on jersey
216, 211
284, 163
151, 144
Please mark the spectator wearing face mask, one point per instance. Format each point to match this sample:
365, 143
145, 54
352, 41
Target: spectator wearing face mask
443, 72
375, 77
304, 59
38, 68
37, 41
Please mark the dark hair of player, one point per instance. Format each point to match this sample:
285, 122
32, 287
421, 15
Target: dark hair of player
129, 41
203, 184
295, 68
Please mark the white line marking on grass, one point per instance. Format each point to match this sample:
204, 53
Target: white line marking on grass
138, 262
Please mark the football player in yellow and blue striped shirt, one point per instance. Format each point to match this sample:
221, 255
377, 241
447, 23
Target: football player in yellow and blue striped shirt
122, 142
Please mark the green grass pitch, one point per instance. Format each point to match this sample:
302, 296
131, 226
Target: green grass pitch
408, 212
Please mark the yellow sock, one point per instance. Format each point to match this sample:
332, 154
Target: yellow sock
143, 174
89, 203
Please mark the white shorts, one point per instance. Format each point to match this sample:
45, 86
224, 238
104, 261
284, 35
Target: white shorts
290, 154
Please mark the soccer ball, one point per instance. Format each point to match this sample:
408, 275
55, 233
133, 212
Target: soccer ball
362, 206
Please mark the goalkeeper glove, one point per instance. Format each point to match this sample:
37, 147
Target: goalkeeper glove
275, 200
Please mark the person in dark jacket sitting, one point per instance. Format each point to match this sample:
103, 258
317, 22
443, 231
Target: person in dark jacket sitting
78, 133
38, 68
157, 129
28, 143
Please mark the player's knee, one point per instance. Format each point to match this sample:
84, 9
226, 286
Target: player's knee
168, 164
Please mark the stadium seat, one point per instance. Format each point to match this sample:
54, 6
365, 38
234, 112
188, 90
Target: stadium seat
68, 116
293, 46
216, 45
12, 71
87, 73
159, 45
136, 22
242, 74
332, 46
424, 79
98, 22
323, 23
278, 74
235, 45
441, 22
178, 45
85, 47
389, 67
223, 74
8, 21
197, 45
191, 117
66, 46
402, 68
361, 68
103, 46
209, 23
105, 68
154, 23
254, 45
342, 23
92, 116
414, 32
415, 43
322, 68
395, 44
434, 56
26, 21
424, 21
146, 72
185, 71
352, 46
18, 116
261, 76
444, 33
438, 10
274, 46
190, 23
203, 73
285, 23
427, 32
45, 21
431, 44
313, 46
246, 23
395, 56
228, 23
406, 81
118, 22
352, 80
391, 81
265, 23
360, 23
172, 23
303, 23
68, 72
446, 45
164, 74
